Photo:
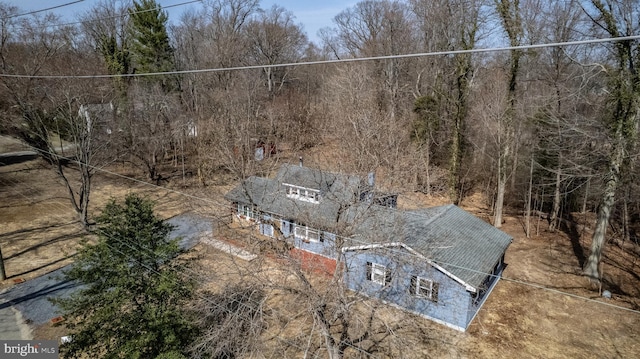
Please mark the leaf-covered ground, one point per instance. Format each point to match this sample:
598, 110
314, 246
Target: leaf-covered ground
38, 234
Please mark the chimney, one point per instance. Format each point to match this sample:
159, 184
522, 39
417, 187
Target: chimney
301, 161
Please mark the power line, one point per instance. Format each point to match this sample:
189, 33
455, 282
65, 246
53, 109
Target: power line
295, 345
114, 16
336, 61
41, 10
151, 253
126, 14
390, 249
140, 249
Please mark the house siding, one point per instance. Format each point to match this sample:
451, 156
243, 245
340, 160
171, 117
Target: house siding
326, 247
266, 226
451, 237
453, 302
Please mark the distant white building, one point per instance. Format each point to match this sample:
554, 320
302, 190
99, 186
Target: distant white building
98, 117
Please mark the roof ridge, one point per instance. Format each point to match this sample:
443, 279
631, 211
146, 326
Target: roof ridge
437, 215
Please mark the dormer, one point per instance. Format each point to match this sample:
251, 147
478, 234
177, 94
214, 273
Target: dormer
302, 193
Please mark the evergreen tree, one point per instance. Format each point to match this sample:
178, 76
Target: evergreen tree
150, 48
133, 294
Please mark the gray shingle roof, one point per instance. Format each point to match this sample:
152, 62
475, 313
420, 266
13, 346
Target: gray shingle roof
337, 191
457, 241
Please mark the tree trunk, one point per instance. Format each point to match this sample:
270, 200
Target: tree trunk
502, 183
553, 222
85, 195
528, 230
591, 268
586, 196
456, 157
268, 72
625, 217
332, 349
514, 154
3, 274
457, 145
426, 159
509, 11
615, 19
72, 194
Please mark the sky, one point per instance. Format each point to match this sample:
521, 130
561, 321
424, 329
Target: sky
311, 14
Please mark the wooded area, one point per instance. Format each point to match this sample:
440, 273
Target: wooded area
228, 91
549, 129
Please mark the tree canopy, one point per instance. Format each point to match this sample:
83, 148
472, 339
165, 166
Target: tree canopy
132, 296
150, 46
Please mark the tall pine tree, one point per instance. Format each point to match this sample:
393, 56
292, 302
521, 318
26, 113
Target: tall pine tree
150, 48
133, 295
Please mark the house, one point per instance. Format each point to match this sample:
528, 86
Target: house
439, 262
98, 117
302, 205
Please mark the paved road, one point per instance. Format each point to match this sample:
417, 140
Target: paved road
31, 298
28, 155
17, 157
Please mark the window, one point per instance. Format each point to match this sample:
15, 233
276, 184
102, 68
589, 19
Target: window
378, 273
247, 211
286, 227
424, 288
302, 193
307, 234
266, 229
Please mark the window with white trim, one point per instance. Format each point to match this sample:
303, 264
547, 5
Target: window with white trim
307, 234
424, 288
247, 211
302, 193
266, 229
378, 273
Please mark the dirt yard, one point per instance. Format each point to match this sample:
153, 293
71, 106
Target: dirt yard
543, 308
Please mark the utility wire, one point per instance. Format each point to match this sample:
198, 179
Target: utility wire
125, 14
41, 10
336, 61
150, 253
390, 249
537, 286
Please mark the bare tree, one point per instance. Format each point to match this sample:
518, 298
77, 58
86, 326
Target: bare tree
276, 39
147, 133
448, 25
231, 321
88, 128
554, 95
43, 109
510, 16
621, 115
378, 28
106, 29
